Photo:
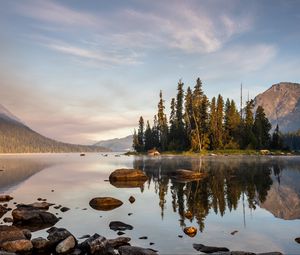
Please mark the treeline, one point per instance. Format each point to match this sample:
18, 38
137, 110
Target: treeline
196, 123
18, 138
292, 140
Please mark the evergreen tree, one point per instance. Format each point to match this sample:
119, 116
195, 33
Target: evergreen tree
232, 122
155, 133
135, 142
172, 121
148, 137
219, 122
248, 139
140, 135
277, 141
162, 124
213, 124
180, 132
261, 129
188, 116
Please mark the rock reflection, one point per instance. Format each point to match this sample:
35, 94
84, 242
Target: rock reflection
229, 181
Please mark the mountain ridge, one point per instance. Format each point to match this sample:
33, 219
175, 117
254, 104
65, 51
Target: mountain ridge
117, 144
281, 103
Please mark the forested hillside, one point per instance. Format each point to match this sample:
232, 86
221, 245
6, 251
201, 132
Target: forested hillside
18, 138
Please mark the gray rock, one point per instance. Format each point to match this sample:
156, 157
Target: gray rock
27, 233
41, 205
56, 235
33, 218
118, 242
131, 199
3, 210
208, 249
66, 245
41, 244
134, 250
119, 226
8, 220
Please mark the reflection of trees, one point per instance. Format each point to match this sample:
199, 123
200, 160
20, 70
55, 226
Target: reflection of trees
227, 181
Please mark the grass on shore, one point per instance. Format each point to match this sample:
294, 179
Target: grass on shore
218, 152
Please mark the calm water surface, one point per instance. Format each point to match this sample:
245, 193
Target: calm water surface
257, 196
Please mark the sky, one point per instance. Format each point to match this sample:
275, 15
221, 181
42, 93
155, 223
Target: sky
83, 71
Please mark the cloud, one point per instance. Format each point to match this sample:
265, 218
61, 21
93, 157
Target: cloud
53, 12
190, 27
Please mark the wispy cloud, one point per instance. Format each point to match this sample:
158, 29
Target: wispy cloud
56, 13
191, 28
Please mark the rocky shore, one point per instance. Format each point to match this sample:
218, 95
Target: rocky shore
16, 231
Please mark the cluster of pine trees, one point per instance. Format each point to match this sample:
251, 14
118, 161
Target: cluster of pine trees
196, 123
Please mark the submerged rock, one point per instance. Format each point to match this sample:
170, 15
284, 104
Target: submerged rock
5, 198
119, 226
64, 209
33, 218
95, 244
134, 250
188, 215
8, 220
105, 203
209, 249
297, 239
190, 231
131, 199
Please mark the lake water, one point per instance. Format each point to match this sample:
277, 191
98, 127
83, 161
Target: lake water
257, 196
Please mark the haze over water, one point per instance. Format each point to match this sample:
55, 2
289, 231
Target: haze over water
257, 196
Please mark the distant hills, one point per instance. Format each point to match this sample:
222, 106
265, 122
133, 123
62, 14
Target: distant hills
117, 144
281, 103
16, 137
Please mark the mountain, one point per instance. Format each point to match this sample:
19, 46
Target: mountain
16, 137
117, 144
281, 103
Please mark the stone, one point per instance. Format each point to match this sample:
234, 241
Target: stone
134, 250
95, 244
7, 253
66, 245
5, 198
33, 218
27, 233
41, 244
84, 237
234, 232
131, 199
8, 220
127, 175
119, 226
13, 239
41, 205
143, 237
64, 209
187, 175
190, 231
297, 239
22, 245
120, 233
3, 210
56, 235
209, 249
105, 203
118, 242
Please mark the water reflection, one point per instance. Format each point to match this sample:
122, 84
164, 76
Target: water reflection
228, 182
